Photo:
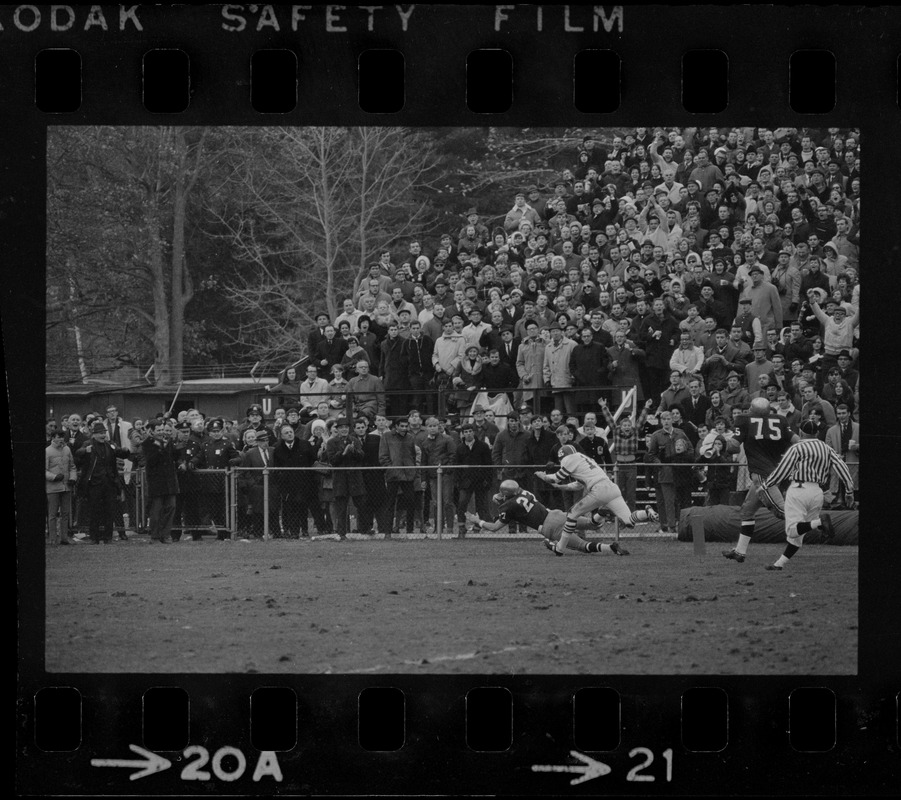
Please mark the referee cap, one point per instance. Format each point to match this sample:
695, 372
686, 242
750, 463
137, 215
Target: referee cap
808, 427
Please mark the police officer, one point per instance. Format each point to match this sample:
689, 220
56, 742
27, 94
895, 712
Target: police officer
187, 503
216, 452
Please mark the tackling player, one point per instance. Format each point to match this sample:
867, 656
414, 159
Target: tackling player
808, 465
765, 436
600, 491
523, 508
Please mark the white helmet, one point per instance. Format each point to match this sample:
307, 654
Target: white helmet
509, 488
566, 450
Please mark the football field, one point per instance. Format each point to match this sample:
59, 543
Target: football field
445, 607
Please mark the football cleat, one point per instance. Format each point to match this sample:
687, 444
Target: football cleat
553, 548
734, 555
653, 516
773, 568
827, 528
617, 549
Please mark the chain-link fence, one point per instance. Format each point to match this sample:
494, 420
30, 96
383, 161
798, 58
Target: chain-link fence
404, 501
423, 501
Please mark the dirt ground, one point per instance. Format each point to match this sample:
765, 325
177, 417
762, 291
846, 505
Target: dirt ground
421, 607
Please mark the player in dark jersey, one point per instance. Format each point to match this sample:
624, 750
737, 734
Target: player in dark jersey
765, 437
523, 508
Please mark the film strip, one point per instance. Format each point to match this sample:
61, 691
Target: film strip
466, 686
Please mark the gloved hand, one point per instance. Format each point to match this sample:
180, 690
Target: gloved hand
59, 478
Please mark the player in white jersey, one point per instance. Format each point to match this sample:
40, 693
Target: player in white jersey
600, 492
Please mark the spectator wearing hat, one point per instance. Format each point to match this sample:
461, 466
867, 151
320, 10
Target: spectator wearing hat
761, 365
746, 327
530, 358
161, 479
766, 304
473, 481
846, 369
556, 368
735, 395
814, 278
99, 482
217, 452
480, 230
254, 460
188, 501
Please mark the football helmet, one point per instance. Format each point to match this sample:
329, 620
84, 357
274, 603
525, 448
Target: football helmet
566, 450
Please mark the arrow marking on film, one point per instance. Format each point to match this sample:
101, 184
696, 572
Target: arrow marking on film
148, 765
590, 768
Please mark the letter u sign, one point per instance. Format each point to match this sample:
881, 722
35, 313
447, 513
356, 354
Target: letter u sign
267, 406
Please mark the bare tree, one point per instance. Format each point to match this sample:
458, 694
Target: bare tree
117, 218
307, 209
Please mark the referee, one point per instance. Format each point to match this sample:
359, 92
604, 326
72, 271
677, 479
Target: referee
808, 464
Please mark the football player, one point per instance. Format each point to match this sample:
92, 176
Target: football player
600, 492
765, 436
521, 507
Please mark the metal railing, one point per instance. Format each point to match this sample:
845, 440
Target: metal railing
256, 503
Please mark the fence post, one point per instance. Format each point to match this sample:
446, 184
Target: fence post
233, 480
266, 534
439, 503
616, 518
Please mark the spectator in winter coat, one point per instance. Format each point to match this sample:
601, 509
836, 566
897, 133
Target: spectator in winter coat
588, 365
658, 337
787, 280
397, 449
510, 454
623, 366
60, 474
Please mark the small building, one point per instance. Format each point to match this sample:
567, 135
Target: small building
215, 397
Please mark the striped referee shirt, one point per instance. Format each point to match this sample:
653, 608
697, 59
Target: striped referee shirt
810, 460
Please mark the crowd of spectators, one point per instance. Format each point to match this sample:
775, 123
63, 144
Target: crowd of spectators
703, 268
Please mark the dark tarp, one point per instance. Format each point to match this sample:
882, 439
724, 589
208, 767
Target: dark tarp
722, 524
